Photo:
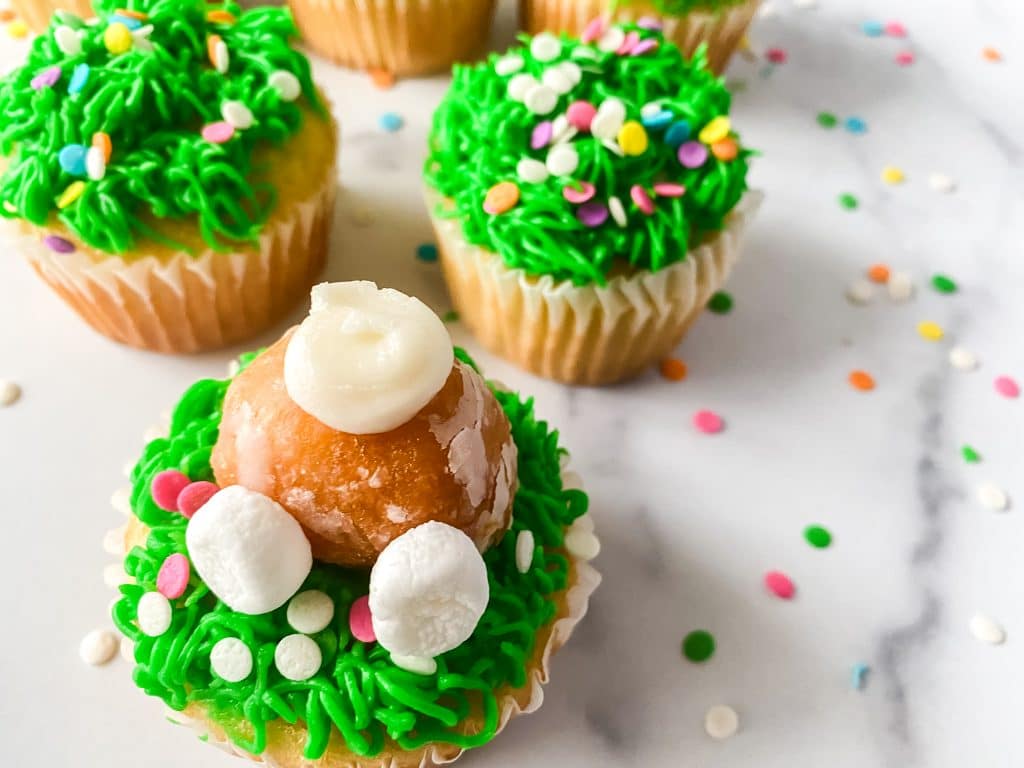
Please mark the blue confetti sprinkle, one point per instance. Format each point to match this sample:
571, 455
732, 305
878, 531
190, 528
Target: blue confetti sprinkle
859, 676
390, 122
426, 252
79, 77
856, 125
872, 28
677, 133
128, 21
72, 159
657, 121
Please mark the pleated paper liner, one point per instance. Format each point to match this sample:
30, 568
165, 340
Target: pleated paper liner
37, 13
584, 334
721, 29
177, 302
404, 37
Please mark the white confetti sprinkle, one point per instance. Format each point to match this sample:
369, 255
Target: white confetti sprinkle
297, 657
900, 286
418, 665
98, 647
286, 84
582, 544
540, 100
531, 171
561, 130
940, 182
237, 114
618, 212
584, 523
985, 629
231, 659
555, 79
611, 40
562, 160
613, 147
310, 611
10, 393
611, 114
221, 58
520, 84
992, 497
860, 292
68, 40
721, 721
650, 109
154, 614
121, 500
572, 71
545, 47
113, 541
95, 163
524, 551
963, 359
508, 65
114, 575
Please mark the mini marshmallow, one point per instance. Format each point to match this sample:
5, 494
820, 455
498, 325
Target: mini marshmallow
248, 550
428, 590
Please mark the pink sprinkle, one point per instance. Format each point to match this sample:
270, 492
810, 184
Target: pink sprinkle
775, 55
895, 29
594, 30
669, 189
628, 43
708, 422
166, 486
360, 622
46, 79
219, 132
644, 46
173, 577
1006, 386
581, 195
580, 115
649, 22
541, 135
643, 201
58, 244
905, 58
779, 584
194, 495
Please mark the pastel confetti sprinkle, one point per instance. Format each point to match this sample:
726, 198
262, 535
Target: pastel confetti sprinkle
986, 630
872, 28
818, 536
905, 58
580, 115
220, 16
594, 30
541, 135
641, 199
991, 54
1006, 387
669, 189
217, 52
943, 283
775, 55
618, 211
360, 621
129, 21
721, 722
172, 580
963, 359
390, 122
720, 303
716, 130
632, 138
644, 46
673, 369
426, 252
58, 244
503, 196
677, 133
698, 646
10, 393
382, 79
827, 120
780, 585
117, 38
859, 676
628, 43
71, 159
860, 292
878, 273
593, 213
194, 495
17, 29
861, 380
231, 659
46, 79
900, 286
579, 192
692, 154
725, 150
525, 547
101, 141
993, 497
848, 201
855, 125
708, 422
74, 191
218, 133
930, 331
970, 455
79, 78
940, 182
286, 84
166, 486
531, 171
892, 175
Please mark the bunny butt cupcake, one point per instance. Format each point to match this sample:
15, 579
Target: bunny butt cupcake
392, 598
588, 197
169, 169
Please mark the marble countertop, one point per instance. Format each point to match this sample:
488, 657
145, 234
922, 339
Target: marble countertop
690, 522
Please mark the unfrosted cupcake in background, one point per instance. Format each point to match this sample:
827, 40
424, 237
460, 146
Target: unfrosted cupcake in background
400, 38
355, 552
588, 199
169, 170
720, 25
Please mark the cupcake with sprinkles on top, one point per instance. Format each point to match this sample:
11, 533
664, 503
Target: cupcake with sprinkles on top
589, 196
355, 551
169, 169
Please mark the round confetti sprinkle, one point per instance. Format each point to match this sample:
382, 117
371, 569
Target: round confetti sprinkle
219, 132
9, 393
154, 614
426, 252
540, 99
776, 55
46, 79
194, 495
872, 28
172, 580
117, 38
545, 47
95, 164
1006, 387
17, 29
509, 65
525, 546
231, 659
581, 543
905, 58
861, 380
641, 199
98, 647
541, 135
632, 138
698, 646
971, 456
502, 197
708, 422
817, 536
725, 150
593, 213
71, 194
237, 114
895, 29
848, 201
669, 189
618, 211
390, 122
166, 486
102, 142
779, 584
940, 182
900, 286
721, 722
217, 52
878, 273
930, 331
562, 160
963, 359
720, 303
382, 79
418, 665
531, 171
892, 175
673, 369
579, 194
692, 154
827, 120
297, 657
581, 114
310, 611
360, 621
855, 125
993, 497
71, 159
286, 84
991, 54
677, 133
987, 630
860, 292
716, 130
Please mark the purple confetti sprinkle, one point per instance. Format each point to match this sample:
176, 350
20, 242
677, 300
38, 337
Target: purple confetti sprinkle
692, 154
649, 22
58, 244
46, 79
593, 213
541, 135
644, 46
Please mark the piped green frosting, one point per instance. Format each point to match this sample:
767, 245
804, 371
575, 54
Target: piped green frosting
682, 7
481, 133
152, 101
358, 690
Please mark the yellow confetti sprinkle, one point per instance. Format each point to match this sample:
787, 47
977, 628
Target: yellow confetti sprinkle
72, 193
892, 175
716, 130
633, 138
17, 28
118, 38
930, 331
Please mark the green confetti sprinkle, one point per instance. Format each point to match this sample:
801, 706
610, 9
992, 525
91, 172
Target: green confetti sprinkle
817, 536
943, 283
426, 252
848, 201
970, 455
720, 303
699, 646
451, 316
827, 120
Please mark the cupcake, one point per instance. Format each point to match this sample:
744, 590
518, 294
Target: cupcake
404, 39
355, 551
719, 25
588, 199
169, 170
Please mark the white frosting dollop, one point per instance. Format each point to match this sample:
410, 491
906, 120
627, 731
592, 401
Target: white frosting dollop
367, 359
428, 590
248, 550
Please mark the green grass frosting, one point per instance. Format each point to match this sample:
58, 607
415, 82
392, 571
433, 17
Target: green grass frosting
358, 690
481, 133
683, 7
153, 101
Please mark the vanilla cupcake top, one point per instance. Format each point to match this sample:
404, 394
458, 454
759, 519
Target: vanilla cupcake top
151, 111
572, 158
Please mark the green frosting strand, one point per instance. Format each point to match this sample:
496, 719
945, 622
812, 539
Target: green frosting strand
358, 690
480, 134
152, 104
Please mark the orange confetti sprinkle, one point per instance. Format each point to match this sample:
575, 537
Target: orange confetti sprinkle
102, 142
221, 16
991, 54
502, 197
878, 273
6, 14
725, 149
382, 78
862, 380
673, 369
131, 14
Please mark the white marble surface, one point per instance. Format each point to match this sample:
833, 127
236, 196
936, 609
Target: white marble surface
690, 523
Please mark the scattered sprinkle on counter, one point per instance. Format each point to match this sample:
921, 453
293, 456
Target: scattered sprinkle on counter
721, 722
861, 380
895, 29
963, 359
708, 422
673, 369
848, 201
827, 120
1007, 387
720, 303
699, 646
17, 29
879, 273
991, 54
905, 58
971, 456
856, 125
859, 676
860, 292
930, 331
382, 79
940, 182
818, 536
872, 28
10, 393
390, 122
776, 55
943, 283
98, 647
900, 286
780, 585
992, 497
987, 630
893, 175
426, 252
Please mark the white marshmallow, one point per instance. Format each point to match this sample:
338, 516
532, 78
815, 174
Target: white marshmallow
366, 360
248, 550
428, 591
